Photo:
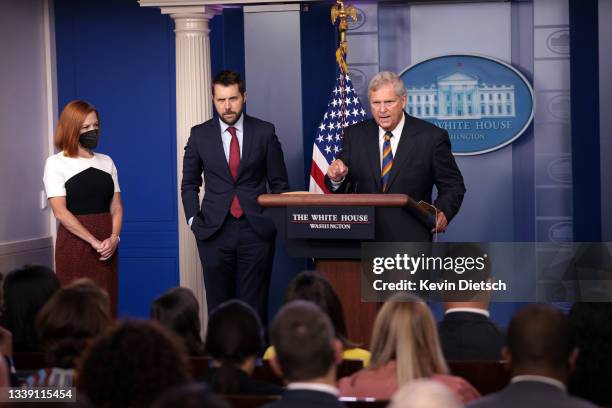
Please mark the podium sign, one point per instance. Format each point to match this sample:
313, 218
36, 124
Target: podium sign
330, 222
339, 260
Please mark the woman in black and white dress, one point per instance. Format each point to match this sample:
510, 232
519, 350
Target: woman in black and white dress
83, 191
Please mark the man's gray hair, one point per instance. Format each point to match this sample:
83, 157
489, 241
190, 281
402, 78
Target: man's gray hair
387, 77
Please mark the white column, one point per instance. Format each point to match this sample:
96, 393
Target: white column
51, 94
193, 106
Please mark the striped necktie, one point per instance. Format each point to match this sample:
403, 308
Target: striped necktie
387, 162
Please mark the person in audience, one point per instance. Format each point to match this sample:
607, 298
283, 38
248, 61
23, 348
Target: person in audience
466, 331
424, 394
82, 188
234, 339
73, 316
6, 349
541, 354
194, 395
592, 327
404, 347
6, 344
179, 310
131, 365
5, 376
26, 290
307, 355
314, 287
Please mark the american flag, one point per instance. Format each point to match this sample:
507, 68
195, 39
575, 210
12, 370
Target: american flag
343, 109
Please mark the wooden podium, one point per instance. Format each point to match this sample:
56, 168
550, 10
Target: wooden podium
337, 259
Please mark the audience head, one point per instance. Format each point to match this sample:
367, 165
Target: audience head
131, 365
179, 310
540, 342
234, 332
194, 395
74, 315
305, 343
69, 126
314, 287
26, 290
479, 270
234, 339
405, 331
592, 327
424, 394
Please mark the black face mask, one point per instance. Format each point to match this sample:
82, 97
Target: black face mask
89, 140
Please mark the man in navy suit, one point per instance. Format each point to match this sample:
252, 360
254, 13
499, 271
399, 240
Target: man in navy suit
541, 354
239, 156
397, 153
466, 331
307, 355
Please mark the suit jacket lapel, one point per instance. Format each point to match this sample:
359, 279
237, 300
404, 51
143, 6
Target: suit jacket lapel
247, 142
404, 149
373, 145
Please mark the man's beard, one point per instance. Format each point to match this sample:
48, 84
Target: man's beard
236, 117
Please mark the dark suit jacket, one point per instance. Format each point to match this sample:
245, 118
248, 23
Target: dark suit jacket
470, 336
306, 399
261, 161
530, 394
246, 384
423, 159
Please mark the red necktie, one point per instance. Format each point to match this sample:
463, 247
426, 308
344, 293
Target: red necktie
234, 163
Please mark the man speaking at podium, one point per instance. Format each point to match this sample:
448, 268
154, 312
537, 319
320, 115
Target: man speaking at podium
396, 153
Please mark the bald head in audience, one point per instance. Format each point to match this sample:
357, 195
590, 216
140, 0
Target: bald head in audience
540, 342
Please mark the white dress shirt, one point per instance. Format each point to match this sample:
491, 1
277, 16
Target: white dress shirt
397, 134
469, 310
539, 378
226, 136
314, 387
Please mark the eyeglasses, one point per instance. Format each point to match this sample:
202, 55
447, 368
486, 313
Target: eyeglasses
378, 105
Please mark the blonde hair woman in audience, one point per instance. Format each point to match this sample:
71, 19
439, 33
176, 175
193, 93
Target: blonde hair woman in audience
404, 347
424, 394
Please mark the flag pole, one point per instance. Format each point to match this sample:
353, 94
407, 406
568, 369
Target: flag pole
343, 108
341, 13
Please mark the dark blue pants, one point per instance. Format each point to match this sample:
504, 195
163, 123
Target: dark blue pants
237, 264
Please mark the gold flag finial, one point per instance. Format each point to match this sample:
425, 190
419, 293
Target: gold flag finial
342, 13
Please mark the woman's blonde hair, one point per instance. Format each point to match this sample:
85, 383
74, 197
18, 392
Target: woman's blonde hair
405, 331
